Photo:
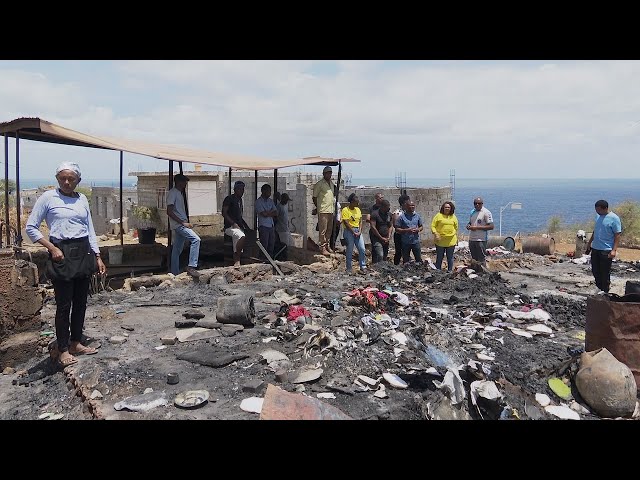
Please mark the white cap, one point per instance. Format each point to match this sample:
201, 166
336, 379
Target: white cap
74, 167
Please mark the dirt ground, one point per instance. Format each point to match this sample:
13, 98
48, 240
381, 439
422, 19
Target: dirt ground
451, 321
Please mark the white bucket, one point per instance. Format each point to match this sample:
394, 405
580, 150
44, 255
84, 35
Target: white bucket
115, 255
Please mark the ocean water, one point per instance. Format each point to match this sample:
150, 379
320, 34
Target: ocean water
570, 199
38, 182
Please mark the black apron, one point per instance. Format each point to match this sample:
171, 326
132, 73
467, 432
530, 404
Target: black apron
79, 260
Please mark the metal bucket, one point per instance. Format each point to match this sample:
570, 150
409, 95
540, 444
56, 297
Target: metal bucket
238, 309
115, 255
507, 242
539, 245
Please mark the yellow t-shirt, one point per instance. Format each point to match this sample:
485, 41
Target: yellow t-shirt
447, 227
352, 216
323, 191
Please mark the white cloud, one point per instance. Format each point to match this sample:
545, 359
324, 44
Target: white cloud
389, 114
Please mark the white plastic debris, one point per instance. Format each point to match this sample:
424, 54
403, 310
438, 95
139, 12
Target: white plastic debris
308, 376
394, 380
485, 357
485, 389
269, 339
400, 338
535, 314
160, 347
452, 385
501, 340
326, 395
539, 328
401, 299
565, 413
381, 392
252, 404
579, 408
368, 380
543, 399
520, 332
272, 355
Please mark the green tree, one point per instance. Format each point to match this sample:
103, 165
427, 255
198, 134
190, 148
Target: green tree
12, 192
629, 213
554, 225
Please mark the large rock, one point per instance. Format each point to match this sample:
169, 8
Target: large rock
607, 385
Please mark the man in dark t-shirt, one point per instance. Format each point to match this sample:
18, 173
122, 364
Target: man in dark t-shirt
234, 224
380, 232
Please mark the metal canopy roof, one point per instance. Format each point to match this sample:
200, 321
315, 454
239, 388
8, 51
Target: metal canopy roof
37, 129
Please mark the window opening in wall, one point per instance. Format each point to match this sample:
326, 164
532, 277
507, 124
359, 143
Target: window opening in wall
161, 201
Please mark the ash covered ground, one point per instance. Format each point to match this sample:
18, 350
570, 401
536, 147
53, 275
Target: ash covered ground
443, 323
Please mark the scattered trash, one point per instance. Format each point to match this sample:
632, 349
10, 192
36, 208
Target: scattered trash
565, 413
191, 399
543, 399
452, 386
142, 403
252, 404
279, 404
326, 395
307, 376
394, 380
559, 388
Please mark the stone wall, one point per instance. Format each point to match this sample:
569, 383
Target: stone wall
105, 205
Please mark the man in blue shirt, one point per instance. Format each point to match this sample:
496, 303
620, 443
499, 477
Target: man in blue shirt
409, 225
603, 244
267, 213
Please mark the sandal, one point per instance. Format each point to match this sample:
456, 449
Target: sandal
82, 350
68, 361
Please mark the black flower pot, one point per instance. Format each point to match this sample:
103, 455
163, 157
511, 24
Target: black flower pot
147, 236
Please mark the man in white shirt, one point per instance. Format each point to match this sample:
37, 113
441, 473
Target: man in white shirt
480, 222
182, 229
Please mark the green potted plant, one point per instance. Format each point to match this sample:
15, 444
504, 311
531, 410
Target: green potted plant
147, 219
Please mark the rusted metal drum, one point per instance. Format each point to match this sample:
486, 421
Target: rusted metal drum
539, 245
507, 242
238, 309
614, 325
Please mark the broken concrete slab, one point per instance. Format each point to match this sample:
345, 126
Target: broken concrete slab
193, 313
209, 323
196, 333
281, 405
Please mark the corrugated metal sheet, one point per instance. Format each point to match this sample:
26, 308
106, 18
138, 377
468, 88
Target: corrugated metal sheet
40, 130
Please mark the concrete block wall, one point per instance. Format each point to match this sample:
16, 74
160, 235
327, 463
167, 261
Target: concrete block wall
105, 205
21, 301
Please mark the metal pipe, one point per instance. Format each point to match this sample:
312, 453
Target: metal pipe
184, 194
121, 207
255, 197
6, 187
275, 182
168, 223
18, 226
338, 187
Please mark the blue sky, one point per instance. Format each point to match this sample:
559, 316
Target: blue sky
483, 119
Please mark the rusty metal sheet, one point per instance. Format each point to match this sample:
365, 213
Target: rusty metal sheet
282, 405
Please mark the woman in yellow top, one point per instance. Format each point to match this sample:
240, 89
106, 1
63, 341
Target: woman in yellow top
352, 221
445, 230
